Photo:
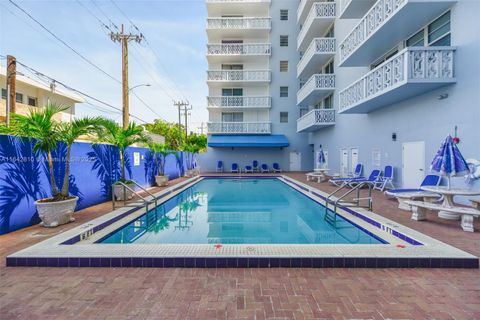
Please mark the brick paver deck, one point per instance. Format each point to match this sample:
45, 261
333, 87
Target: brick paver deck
86, 293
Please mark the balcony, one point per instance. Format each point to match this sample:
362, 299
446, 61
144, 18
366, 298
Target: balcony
245, 7
316, 119
250, 27
385, 25
239, 127
320, 17
232, 52
316, 88
317, 54
411, 72
238, 77
354, 9
243, 102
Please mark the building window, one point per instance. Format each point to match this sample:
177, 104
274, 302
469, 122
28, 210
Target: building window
329, 67
328, 102
384, 58
232, 92
19, 97
283, 14
283, 92
32, 101
330, 33
416, 40
303, 111
232, 66
232, 116
4, 93
283, 66
439, 31
283, 41
283, 117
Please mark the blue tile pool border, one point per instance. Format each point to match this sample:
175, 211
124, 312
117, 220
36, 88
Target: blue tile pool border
244, 262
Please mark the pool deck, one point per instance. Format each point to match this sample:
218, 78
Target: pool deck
294, 293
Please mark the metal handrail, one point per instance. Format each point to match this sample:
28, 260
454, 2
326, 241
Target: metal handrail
356, 201
125, 187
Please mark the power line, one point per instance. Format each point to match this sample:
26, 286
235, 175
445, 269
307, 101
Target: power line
64, 43
94, 15
105, 15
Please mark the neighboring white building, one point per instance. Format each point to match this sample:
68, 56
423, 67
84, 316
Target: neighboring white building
378, 81
31, 93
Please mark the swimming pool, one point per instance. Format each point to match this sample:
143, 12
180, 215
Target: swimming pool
239, 211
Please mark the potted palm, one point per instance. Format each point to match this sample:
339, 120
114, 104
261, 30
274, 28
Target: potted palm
122, 138
160, 156
48, 133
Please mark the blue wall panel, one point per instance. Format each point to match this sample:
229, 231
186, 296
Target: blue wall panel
24, 176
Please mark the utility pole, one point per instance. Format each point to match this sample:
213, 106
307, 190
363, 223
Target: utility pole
186, 109
11, 87
180, 105
124, 39
202, 127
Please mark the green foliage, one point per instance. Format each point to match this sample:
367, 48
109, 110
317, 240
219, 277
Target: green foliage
112, 133
160, 152
198, 142
174, 134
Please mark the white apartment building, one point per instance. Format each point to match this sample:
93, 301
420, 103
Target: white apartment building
376, 81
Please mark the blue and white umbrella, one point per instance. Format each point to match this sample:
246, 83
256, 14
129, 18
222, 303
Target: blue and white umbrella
321, 156
449, 161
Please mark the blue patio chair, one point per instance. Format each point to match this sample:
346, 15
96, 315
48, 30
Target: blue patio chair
264, 168
219, 166
373, 178
357, 174
234, 168
255, 166
430, 180
358, 171
386, 179
276, 167
248, 169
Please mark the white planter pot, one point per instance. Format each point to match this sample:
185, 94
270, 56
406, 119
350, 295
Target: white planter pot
162, 181
56, 213
190, 173
119, 192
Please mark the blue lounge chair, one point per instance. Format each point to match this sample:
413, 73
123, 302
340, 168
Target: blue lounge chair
248, 169
429, 180
255, 166
264, 168
387, 178
276, 167
357, 174
234, 168
219, 166
373, 178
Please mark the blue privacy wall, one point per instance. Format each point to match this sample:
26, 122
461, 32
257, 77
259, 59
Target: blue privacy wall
24, 176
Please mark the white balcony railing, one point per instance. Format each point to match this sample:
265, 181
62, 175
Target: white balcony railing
319, 10
316, 118
238, 75
238, 49
375, 17
239, 127
239, 102
317, 46
316, 82
239, 23
420, 65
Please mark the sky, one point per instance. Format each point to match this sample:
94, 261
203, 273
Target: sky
174, 62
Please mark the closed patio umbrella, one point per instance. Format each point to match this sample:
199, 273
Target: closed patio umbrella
321, 156
449, 161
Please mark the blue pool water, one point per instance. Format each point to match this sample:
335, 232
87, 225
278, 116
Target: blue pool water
236, 211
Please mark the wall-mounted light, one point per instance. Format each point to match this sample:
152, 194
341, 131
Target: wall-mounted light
394, 136
442, 96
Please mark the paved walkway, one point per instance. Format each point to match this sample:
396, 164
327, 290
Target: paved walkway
86, 293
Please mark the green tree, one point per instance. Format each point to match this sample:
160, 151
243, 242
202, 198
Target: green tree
160, 152
121, 138
174, 133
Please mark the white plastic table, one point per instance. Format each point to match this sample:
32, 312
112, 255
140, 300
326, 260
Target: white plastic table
321, 172
448, 195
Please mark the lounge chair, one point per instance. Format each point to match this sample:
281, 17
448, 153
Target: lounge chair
219, 166
248, 169
264, 168
387, 178
357, 174
276, 167
234, 168
372, 179
429, 180
255, 166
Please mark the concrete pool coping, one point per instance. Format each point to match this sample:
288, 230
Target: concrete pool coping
65, 250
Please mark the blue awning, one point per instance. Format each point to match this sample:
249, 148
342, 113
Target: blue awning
248, 141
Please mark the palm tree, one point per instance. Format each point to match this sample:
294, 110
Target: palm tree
163, 152
48, 133
121, 138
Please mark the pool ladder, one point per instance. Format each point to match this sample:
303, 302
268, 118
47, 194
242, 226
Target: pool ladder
331, 215
144, 201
